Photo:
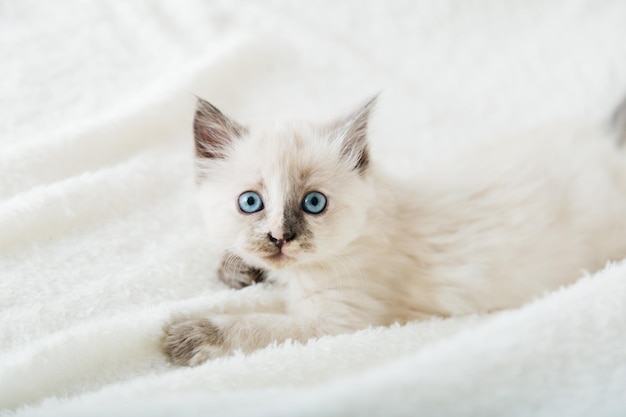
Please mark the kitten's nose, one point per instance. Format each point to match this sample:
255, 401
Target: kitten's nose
282, 239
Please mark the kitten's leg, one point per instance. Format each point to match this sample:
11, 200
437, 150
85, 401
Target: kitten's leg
235, 273
192, 341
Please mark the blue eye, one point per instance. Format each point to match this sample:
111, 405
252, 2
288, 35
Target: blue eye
250, 202
314, 203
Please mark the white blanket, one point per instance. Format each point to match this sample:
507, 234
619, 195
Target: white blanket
100, 241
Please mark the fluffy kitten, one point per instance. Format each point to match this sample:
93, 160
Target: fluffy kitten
345, 247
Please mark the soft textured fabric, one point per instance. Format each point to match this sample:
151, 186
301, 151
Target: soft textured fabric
100, 241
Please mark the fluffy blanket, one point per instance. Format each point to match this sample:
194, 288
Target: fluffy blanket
100, 241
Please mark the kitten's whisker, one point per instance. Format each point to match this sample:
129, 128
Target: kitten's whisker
348, 275
360, 277
351, 278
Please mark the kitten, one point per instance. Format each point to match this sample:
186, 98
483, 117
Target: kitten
346, 247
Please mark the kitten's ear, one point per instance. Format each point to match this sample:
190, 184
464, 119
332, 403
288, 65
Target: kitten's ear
351, 132
213, 131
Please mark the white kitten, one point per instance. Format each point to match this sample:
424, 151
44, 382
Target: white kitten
346, 248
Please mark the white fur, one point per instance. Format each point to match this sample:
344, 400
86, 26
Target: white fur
499, 225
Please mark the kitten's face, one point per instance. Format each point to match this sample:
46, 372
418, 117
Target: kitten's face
284, 195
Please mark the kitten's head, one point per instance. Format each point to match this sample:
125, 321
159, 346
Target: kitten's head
283, 195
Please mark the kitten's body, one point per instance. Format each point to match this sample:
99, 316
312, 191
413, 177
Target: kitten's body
490, 230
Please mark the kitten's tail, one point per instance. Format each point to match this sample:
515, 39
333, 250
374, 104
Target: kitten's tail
618, 123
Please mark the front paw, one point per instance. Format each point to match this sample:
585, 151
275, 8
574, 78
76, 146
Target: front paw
235, 273
192, 341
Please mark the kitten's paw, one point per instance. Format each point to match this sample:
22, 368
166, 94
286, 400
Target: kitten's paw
237, 274
192, 341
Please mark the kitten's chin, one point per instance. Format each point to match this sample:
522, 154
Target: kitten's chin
278, 261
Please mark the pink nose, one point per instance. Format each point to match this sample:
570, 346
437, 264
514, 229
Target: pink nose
280, 239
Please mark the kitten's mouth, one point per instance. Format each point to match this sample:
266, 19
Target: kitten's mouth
278, 259
277, 256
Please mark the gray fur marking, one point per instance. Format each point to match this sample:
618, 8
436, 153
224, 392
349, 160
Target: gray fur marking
353, 133
618, 121
185, 338
294, 223
213, 131
235, 273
